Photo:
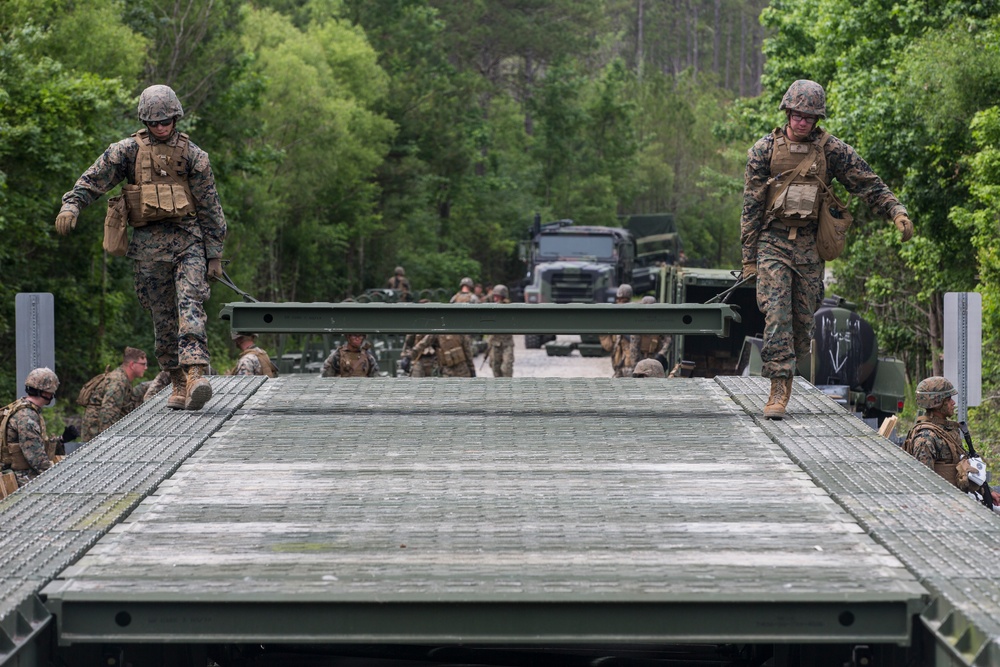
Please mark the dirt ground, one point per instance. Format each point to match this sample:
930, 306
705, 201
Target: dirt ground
536, 363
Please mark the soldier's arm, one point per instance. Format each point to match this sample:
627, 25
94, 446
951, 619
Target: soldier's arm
107, 171
667, 344
32, 441
924, 448
114, 404
244, 366
857, 176
209, 207
758, 171
373, 365
331, 367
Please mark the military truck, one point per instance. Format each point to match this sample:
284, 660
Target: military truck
845, 363
570, 263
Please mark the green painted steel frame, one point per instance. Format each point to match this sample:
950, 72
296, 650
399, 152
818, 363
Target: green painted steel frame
519, 318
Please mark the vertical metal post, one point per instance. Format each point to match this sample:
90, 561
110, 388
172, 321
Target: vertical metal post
963, 357
963, 340
35, 333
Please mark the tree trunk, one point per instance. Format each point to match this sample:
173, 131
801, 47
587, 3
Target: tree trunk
743, 53
639, 36
716, 36
935, 331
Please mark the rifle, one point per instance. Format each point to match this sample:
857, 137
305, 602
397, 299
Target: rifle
987, 494
489, 348
724, 295
228, 282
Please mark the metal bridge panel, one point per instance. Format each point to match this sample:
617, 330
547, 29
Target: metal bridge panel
494, 510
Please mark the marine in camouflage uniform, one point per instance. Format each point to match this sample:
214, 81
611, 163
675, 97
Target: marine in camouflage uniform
779, 242
352, 359
650, 346
29, 450
253, 360
399, 282
454, 353
620, 345
114, 398
936, 440
501, 346
423, 363
174, 256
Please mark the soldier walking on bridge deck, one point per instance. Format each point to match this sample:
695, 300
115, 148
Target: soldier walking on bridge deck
620, 345
172, 204
787, 173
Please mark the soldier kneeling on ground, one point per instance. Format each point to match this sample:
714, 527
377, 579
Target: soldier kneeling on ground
25, 447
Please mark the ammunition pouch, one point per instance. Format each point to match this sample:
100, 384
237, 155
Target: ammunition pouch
116, 227
153, 202
452, 350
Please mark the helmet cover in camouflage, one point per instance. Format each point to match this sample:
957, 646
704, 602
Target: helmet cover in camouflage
624, 291
236, 335
159, 102
648, 368
400, 271
647, 299
805, 96
934, 391
42, 379
466, 282
501, 291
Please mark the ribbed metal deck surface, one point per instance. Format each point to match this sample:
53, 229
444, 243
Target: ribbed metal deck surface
524, 510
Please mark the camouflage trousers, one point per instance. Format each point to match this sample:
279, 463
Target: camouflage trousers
502, 359
425, 367
174, 294
456, 371
788, 295
24, 476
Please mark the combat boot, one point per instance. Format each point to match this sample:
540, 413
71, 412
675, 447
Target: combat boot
178, 382
199, 390
776, 402
788, 393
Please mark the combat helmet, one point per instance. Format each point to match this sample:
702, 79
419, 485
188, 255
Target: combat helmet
41, 380
648, 368
805, 96
400, 271
647, 299
159, 102
466, 282
934, 391
624, 291
501, 291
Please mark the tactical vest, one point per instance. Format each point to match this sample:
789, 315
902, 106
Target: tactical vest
266, 365
947, 469
452, 351
462, 297
10, 452
649, 344
161, 190
795, 202
354, 363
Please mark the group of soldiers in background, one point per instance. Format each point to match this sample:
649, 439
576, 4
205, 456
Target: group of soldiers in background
451, 355
637, 355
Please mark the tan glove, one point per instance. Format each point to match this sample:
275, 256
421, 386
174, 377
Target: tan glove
65, 223
905, 225
749, 270
215, 268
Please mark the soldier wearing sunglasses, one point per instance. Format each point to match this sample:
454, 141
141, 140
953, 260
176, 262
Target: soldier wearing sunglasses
178, 230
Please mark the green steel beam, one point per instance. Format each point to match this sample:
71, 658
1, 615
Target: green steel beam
515, 318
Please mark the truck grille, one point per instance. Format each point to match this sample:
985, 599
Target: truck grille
572, 288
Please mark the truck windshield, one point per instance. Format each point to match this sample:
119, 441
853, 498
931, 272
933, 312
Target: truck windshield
556, 246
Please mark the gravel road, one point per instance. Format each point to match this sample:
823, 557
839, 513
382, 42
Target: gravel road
538, 364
